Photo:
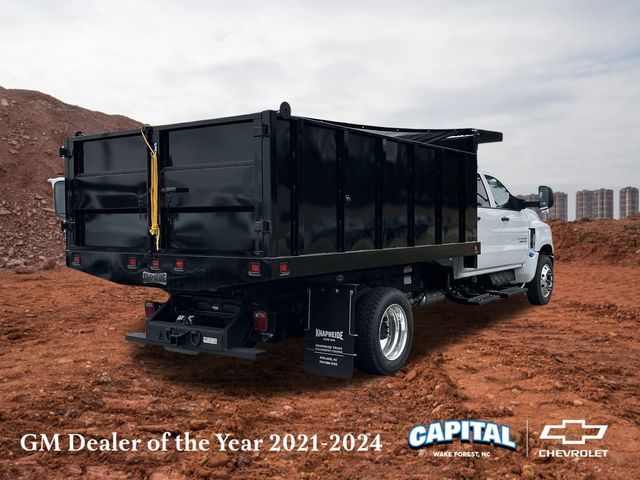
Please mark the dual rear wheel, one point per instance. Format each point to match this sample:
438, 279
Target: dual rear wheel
384, 324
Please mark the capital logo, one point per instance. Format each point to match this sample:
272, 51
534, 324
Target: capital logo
467, 431
559, 432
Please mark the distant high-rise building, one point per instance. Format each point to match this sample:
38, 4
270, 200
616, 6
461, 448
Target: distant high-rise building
628, 202
602, 203
584, 204
594, 203
560, 209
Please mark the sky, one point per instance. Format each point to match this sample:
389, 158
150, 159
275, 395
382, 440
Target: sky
561, 80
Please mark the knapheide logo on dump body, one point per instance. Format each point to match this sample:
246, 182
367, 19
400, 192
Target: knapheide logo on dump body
567, 435
476, 431
330, 334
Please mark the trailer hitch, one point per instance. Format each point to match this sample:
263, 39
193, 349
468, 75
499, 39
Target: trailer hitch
176, 337
191, 338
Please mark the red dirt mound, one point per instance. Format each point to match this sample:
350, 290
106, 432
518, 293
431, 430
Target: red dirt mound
598, 242
32, 127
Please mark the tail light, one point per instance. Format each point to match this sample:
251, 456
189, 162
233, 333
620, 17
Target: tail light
150, 308
260, 320
284, 268
178, 265
255, 269
132, 262
75, 260
155, 264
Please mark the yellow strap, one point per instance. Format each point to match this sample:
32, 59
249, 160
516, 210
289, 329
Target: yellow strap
153, 191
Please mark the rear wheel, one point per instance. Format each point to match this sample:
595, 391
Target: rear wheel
539, 289
384, 324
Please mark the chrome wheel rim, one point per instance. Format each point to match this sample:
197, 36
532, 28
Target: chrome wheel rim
393, 333
546, 280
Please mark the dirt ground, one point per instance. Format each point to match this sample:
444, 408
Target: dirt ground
65, 368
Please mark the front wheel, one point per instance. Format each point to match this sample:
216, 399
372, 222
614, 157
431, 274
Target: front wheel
539, 289
384, 324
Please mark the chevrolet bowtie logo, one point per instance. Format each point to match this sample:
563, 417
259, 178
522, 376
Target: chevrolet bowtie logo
561, 429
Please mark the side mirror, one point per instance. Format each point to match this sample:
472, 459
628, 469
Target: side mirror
545, 196
59, 198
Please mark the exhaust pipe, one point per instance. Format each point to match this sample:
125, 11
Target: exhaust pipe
430, 297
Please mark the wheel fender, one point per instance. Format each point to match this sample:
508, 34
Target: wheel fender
527, 271
543, 238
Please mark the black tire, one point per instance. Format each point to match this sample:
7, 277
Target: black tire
369, 314
537, 293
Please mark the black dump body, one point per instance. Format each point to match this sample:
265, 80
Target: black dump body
299, 197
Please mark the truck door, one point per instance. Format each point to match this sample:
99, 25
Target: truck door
508, 228
489, 229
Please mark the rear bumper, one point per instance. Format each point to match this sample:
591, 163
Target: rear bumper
172, 326
189, 349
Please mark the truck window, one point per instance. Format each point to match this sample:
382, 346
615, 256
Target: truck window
482, 198
500, 193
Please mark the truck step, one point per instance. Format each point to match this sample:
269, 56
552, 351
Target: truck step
509, 292
482, 299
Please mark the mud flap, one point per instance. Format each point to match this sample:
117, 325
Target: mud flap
330, 337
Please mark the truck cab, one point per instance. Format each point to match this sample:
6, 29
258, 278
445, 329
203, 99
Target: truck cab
512, 238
